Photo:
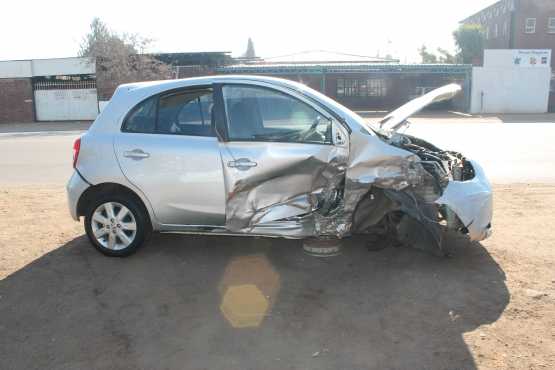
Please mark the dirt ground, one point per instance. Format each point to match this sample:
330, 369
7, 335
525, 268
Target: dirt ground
247, 303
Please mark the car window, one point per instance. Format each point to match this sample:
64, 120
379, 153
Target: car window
142, 118
261, 114
185, 113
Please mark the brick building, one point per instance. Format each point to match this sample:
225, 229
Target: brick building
362, 83
48, 90
519, 24
16, 100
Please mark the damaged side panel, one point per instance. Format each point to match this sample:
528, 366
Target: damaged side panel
288, 183
300, 190
303, 190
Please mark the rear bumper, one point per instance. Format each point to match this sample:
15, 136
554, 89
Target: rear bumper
75, 187
472, 202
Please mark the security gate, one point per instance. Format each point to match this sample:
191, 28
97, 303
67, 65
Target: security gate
65, 98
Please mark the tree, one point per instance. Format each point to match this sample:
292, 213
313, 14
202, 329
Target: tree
120, 58
427, 57
470, 42
250, 53
446, 57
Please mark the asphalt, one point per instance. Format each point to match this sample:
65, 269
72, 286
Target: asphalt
510, 152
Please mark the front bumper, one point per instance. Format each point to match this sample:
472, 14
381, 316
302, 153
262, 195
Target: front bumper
472, 202
75, 187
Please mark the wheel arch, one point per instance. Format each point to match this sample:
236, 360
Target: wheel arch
110, 188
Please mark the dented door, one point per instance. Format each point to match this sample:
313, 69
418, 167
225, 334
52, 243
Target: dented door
283, 160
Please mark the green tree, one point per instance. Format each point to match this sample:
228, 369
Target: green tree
427, 57
442, 57
446, 57
470, 40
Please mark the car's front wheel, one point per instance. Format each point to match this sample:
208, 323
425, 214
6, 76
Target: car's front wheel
116, 225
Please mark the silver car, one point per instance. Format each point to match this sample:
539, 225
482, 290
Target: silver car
247, 155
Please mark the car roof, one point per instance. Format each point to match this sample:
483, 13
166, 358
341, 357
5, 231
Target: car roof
175, 84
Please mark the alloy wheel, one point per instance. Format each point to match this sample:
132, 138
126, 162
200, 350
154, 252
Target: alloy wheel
113, 225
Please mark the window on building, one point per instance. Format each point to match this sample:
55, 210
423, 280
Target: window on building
376, 87
505, 28
551, 25
487, 33
530, 26
495, 31
361, 87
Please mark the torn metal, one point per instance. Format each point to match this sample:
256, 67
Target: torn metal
394, 182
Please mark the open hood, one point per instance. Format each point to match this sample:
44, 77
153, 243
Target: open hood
396, 119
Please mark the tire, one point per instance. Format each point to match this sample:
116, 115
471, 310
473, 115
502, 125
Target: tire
117, 225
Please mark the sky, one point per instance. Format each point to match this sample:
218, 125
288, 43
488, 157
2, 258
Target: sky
54, 28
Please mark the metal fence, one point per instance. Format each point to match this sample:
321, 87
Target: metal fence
64, 85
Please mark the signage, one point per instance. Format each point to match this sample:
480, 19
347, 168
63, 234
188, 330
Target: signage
528, 58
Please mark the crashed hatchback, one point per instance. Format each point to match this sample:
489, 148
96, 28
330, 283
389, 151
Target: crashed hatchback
246, 155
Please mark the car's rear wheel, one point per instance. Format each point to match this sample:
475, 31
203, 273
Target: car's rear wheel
116, 225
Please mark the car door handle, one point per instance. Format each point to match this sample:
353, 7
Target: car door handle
136, 154
242, 164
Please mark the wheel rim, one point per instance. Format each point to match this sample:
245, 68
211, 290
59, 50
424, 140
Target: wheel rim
113, 225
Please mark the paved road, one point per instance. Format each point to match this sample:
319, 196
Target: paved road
509, 152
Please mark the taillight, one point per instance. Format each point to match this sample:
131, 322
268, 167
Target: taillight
76, 148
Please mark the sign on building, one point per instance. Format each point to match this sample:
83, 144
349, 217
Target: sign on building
527, 58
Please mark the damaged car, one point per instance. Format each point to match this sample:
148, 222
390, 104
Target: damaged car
261, 156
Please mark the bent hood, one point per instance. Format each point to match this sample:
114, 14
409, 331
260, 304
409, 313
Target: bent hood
396, 119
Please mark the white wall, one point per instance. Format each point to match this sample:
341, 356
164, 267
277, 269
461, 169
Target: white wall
66, 105
15, 69
102, 104
46, 67
510, 90
63, 66
524, 58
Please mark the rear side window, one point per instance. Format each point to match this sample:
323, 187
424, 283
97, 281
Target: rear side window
186, 113
176, 113
142, 118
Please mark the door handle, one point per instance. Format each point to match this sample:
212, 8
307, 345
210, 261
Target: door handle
242, 164
136, 154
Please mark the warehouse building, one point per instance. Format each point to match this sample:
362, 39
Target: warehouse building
48, 90
363, 83
72, 89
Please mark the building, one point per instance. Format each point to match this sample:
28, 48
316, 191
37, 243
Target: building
71, 89
360, 82
519, 24
48, 90
503, 86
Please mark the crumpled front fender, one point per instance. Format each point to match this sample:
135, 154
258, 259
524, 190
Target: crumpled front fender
472, 202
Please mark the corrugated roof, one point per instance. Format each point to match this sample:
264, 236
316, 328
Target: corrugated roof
284, 68
311, 56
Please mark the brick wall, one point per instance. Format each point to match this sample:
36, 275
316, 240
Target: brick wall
542, 10
16, 100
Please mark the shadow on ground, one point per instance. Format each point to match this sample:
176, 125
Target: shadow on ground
247, 303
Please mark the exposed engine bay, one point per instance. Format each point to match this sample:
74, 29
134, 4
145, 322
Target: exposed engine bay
410, 215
